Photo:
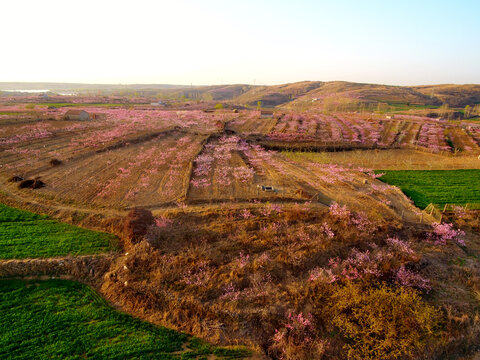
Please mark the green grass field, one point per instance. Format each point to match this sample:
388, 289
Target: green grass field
439, 187
399, 107
60, 319
27, 235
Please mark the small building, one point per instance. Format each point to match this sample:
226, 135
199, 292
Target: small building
266, 114
158, 103
75, 114
267, 188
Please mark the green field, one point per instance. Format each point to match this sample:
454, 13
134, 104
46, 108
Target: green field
439, 187
60, 319
399, 107
27, 235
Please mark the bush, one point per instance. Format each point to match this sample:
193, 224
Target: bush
219, 106
383, 323
136, 225
55, 162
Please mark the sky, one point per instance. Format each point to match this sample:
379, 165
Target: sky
250, 41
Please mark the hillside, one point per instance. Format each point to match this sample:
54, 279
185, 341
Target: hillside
299, 95
453, 95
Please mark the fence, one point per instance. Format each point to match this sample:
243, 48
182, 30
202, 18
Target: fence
437, 211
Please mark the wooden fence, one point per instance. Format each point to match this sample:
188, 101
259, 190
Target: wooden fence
437, 211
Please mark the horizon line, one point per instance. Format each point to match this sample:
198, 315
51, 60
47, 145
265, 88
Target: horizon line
226, 84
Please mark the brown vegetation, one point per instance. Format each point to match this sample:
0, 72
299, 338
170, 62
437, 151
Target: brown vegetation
15, 178
55, 162
252, 276
31, 184
136, 224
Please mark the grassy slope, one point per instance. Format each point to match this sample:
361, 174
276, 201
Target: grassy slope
58, 319
437, 186
27, 235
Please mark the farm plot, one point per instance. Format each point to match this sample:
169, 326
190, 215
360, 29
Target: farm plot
224, 170
461, 140
231, 169
22, 148
339, 130
388, 159
350, 130
251, 123
439, 187
27, 235
147, 174
67, 320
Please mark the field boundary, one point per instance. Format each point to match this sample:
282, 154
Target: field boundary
437, 211
84, 268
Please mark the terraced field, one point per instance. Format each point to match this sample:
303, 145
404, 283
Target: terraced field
316, 130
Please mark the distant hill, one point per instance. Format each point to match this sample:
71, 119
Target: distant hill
278, 94
53, 86
453, 95
299, 95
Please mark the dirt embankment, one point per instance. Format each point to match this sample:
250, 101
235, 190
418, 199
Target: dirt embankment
88, 269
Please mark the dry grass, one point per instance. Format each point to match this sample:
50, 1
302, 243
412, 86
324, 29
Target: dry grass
398, 159
232, 275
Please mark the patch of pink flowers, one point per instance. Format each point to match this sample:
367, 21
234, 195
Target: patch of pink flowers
408, 278
443, 233
327, 230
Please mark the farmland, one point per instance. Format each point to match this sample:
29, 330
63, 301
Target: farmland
390, 159
238, 228
438, 187
27, 235
67, 320
346, 131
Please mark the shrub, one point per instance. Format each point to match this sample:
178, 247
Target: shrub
15, 178
443, 233
31, 184
219, 106
298, 339
55, 162
383, 323
136, 224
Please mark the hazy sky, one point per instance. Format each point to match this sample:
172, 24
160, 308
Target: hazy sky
267, 42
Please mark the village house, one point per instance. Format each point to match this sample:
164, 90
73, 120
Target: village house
75, 114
